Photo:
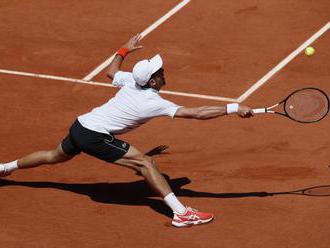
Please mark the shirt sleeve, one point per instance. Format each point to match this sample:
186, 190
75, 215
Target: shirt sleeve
122, 78
165, 108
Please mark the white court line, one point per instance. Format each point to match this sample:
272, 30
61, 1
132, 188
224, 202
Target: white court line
283, 63
81, 81
243, 97
148, 30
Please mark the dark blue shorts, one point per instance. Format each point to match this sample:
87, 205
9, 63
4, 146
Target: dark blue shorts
103, 146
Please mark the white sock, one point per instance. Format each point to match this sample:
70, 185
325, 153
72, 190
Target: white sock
10, 167
174, 203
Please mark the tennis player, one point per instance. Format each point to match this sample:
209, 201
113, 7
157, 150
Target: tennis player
135, 103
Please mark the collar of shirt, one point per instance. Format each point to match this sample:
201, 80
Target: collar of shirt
149, 89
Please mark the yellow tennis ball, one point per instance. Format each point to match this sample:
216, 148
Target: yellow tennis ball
309, 51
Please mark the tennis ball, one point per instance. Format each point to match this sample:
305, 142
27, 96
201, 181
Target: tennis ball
309, 51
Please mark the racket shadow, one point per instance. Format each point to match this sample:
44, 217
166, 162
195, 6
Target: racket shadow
138, 193
316, 191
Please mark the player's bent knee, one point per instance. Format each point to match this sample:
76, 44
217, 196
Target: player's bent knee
139, 160
149, 159
148, 162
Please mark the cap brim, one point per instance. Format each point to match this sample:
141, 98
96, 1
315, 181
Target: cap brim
156, 63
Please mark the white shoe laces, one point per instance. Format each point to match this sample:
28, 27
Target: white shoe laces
194, 214
192, 209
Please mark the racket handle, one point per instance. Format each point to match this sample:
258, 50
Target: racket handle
259, 111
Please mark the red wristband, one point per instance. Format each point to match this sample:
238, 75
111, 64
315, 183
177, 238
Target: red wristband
123, 51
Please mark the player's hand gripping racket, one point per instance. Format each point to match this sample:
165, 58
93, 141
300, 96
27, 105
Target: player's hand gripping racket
306, 105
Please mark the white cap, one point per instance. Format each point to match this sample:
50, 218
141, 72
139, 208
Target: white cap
143, 69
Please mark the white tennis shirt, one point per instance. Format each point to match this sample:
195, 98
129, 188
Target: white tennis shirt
128, 109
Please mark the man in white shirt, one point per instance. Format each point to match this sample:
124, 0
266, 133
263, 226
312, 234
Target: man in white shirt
135, 103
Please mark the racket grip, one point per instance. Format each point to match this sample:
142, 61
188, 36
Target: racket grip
259, 111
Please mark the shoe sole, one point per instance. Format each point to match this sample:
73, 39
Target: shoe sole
191, 223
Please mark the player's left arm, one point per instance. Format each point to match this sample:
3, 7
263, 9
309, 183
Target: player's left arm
130, 46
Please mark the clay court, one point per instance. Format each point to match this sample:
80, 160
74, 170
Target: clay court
229, 166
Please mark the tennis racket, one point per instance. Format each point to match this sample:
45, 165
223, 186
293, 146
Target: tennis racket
306, 105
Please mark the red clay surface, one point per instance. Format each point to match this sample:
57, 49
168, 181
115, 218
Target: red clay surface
210, 47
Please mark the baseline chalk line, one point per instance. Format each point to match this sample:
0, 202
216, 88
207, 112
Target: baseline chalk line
283, 63
81, 81
148, 30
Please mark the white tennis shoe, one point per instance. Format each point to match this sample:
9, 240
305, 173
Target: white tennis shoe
3, 171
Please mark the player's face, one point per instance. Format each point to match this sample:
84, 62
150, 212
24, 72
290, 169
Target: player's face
159, 78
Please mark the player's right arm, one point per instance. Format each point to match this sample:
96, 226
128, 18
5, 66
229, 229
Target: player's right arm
210, 112
115, 66
130, 46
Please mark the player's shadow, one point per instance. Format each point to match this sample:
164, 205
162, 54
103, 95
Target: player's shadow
139, 193
133, 193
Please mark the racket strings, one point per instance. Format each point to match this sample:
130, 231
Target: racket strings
307, 105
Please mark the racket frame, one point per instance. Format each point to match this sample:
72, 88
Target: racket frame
269, 109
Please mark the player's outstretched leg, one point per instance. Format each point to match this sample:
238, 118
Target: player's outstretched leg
35, 159
146, 166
